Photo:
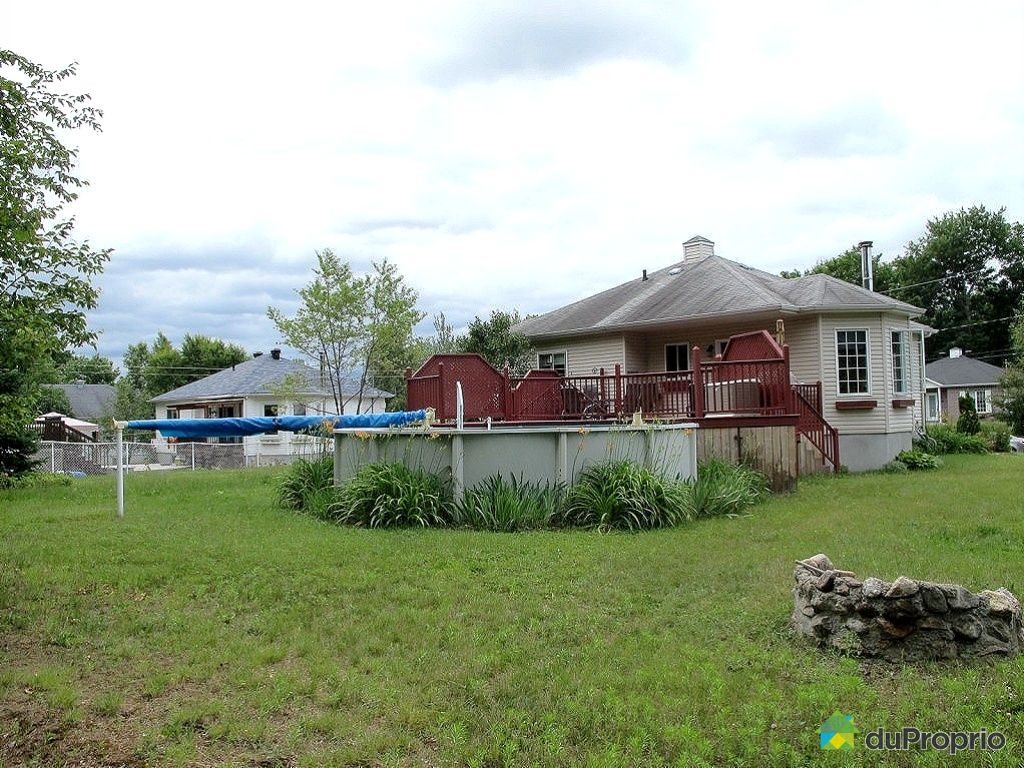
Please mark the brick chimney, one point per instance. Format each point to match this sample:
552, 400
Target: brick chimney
697, 248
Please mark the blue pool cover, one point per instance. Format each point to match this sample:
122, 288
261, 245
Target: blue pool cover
258, 424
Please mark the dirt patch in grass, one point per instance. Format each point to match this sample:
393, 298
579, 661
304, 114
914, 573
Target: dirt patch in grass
35, 734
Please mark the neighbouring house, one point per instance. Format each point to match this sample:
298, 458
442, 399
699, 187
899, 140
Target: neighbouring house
947, 378
858, 354
265, 385
89, 402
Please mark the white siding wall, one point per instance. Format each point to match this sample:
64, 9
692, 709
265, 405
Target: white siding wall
586, 356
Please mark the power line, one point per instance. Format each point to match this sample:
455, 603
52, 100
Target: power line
936, 280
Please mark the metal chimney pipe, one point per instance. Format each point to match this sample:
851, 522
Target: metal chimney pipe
867, 268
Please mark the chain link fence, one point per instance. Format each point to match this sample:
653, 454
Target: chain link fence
101, 458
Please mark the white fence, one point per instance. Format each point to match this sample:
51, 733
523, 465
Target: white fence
101, 458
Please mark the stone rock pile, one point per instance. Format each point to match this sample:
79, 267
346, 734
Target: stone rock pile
906, 620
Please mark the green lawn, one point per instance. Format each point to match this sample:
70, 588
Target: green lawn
210, 628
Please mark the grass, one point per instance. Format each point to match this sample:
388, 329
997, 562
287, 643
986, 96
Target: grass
210, 627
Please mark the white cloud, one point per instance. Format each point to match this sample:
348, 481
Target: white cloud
520, 154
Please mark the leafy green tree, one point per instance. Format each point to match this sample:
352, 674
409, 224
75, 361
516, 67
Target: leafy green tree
155, 368
352, 327
967, 272
1010, 398
499, 343
93, 369
846, 266
45, 275
53, 400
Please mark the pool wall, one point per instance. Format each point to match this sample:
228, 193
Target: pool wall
552, 454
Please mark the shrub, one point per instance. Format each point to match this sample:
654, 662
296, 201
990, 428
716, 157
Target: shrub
33, 480
916, 459
497, 504
896, 467
308, 485
997, 434
387, 495
725, 489
968, 423
624, 495
948, 440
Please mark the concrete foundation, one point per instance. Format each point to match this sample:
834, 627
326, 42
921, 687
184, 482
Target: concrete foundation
862, 453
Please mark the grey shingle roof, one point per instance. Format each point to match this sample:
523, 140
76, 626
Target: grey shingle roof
258, 376
708, 288
89, 401
961, 371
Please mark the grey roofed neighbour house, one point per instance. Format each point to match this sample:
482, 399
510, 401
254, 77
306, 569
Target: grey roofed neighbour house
963, 371
713, 287
88, 401
258, 376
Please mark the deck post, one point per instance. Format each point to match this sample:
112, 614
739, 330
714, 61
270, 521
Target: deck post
698, 384
506, 393
601, 387
787, 392
618, 389
442, 412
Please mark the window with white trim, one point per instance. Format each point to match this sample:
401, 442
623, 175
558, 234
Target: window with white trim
299, 409
270, 410
932, 399
677, 357
982, 401
552, 361
853, 367
900, 362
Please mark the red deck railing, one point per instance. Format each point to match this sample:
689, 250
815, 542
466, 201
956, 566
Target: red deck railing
721, 388
812, 424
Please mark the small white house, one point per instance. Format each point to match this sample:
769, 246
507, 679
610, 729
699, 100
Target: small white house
266, 385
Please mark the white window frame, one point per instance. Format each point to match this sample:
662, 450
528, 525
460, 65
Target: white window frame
552, 354
929, 398
720, 345
987, 393
835, 347
689, 359
904, 361
299, 409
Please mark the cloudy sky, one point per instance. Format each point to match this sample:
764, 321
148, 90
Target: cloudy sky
519, 154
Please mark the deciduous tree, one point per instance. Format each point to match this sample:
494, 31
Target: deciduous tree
45, 274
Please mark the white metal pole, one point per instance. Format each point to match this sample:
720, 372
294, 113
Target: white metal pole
53, 458
193, 456
120, 472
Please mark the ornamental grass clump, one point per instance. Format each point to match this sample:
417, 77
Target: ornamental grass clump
626, 496
387, 495
308, 485
514, 504
725, 489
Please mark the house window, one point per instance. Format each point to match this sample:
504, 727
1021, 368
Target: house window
270, 411
900, 362
677, 357
716, 348
299, 409
852, 362
932, 400
981, 400
172, 413
552, 361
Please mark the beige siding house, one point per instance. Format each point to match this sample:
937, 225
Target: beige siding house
947, 378
864, 347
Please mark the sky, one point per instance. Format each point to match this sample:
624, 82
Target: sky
513, 155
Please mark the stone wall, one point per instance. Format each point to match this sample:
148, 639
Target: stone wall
905, 620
